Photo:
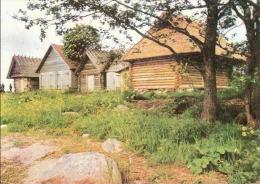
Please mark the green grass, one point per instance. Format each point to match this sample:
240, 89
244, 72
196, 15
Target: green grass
162, 136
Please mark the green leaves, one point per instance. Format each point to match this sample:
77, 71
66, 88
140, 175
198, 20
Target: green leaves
78, 39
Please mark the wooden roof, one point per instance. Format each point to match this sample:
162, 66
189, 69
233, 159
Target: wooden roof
23, 66
98, 58
181, 43
59, 50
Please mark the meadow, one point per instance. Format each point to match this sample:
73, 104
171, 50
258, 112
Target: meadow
171, 134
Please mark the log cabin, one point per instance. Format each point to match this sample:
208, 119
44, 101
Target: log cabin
22, 70
56, 71
153, 66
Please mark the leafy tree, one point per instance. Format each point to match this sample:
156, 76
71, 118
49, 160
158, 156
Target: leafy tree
78, 39
249, 12
136, 16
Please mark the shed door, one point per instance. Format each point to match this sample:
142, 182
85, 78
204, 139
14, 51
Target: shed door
22, 85
90, 82
65, 80
59, 80
117, 80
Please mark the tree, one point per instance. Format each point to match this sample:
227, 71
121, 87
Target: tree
249, 12
77, 40
129, 15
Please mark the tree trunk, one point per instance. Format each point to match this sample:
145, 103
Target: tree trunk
257, 52
209, 73
250, 72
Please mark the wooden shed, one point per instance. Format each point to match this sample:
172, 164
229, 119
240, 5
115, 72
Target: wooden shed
56, 71
117, 76
23, 71
93, 75
153, 66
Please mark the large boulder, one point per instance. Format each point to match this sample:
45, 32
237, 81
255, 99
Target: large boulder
79, 168
28, 155
112, 146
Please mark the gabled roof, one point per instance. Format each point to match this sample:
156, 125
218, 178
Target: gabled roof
181, 43
59, 50
118, 67
97, 58
22, 66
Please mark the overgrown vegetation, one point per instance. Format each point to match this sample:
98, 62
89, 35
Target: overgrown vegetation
163, 135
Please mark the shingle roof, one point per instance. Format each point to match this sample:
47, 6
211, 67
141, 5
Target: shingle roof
181, 43
23, 66
98, 58
59, 50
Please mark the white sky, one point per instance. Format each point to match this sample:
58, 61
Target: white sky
15, 39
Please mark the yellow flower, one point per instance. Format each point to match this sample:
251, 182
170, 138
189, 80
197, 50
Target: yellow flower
252, 132
244, 128
244, 134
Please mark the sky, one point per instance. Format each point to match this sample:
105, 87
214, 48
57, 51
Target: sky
15, 39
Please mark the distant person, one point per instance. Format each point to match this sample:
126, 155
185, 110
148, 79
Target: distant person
3, 87
10, 87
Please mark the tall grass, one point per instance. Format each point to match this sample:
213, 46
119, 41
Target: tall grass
162, 137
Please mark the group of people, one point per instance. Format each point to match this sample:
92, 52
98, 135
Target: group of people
2, 87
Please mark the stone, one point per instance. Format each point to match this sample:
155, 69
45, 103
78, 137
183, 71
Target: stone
28, 155
76, 168
70, 113
3, 126
112, 146
122, 107
85, 135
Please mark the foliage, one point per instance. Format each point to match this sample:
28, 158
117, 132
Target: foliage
78, 39
183, 139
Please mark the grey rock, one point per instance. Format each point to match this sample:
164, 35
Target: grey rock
3, 126
85, 135
70, 113
28, 155
122, 107
79, 168
112, 146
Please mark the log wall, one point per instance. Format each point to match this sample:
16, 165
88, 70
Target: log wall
165, 74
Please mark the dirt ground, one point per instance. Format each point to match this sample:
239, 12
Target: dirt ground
134, 168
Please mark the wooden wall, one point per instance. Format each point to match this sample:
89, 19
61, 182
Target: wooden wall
26, 84
98, 80
192, 78
156, 74
165, 74
56, 74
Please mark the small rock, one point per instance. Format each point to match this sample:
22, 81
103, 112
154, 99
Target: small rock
3, 126
112, 146
70, 113
241, 119
87, 168
28, 155
122, 107
85, 135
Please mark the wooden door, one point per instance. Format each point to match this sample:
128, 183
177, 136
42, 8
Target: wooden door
90, 82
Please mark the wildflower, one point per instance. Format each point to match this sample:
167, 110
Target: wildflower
244, 134
244, 128
252, 132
